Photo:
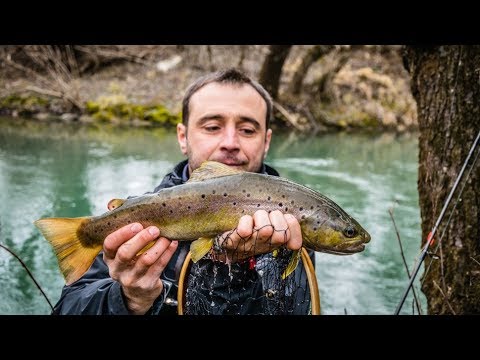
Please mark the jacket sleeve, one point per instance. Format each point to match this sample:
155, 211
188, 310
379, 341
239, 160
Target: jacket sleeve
97, 294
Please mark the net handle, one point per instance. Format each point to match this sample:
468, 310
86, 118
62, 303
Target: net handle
309, 269
312, 282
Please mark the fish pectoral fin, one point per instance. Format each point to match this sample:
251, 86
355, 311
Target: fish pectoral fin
212, 169
200, 247
292, 265
115, 203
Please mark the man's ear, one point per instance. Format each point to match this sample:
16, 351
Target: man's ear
268, 138
182, 138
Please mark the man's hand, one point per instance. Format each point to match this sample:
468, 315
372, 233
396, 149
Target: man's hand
139, 275
259, 234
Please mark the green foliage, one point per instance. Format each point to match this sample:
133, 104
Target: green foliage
116, 109
369, 121
162, 116
23, 102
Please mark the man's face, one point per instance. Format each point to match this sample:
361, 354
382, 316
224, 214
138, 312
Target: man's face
227, 123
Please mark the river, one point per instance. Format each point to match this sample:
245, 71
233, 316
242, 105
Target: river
71, 170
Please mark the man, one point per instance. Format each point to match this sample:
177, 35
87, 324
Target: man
225, 118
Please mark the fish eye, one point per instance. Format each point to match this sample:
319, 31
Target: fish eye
349, 231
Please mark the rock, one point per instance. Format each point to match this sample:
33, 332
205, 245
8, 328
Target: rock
69, 117
42, 116
168, 64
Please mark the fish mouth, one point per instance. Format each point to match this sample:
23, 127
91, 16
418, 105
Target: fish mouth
366, 237
355, 248
350, 247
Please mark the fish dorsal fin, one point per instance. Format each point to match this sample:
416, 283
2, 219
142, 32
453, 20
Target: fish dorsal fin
212, 169
115, 203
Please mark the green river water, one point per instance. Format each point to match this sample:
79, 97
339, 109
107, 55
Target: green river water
69, 170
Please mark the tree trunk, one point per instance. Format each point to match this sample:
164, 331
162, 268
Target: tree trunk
313, 54
272, 68
446, 87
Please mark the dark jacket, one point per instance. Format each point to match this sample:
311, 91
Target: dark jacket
241, 288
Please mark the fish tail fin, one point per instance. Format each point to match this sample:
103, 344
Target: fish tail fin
293, 263
200, 247
74, 258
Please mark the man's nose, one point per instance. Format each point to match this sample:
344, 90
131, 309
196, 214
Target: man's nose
230, 140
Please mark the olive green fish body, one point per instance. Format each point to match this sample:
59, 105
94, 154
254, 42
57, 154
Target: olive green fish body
214, 200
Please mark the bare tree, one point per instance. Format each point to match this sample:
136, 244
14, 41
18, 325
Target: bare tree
271, 71
446, 86
311, 56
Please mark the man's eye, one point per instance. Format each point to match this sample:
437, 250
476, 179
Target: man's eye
212, 128
248, 131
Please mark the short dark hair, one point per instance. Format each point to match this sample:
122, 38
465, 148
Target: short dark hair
229, 76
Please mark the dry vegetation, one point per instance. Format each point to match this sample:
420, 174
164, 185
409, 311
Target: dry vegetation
346, 88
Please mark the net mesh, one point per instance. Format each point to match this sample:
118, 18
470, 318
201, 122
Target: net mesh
249, 286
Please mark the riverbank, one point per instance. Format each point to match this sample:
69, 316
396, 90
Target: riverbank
145, 84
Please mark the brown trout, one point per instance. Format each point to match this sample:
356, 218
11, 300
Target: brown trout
209, 204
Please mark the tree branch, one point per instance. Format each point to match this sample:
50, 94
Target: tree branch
29, 274
419, 308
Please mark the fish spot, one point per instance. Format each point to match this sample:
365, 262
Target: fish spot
164, 204
314, 229
243, 191
292, 202
311, 207
109, 223
248, 195
280, 204
303, 216
213, 191
189, 207
203, 196
171, 211
301, 208
129, 221
286, 208
225, 194
243, 211
269, 198
258, 205
234, 203
283, 196
114, 216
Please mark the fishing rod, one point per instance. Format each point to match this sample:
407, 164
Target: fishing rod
430, 237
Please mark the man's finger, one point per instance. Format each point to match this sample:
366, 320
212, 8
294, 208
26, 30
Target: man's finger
150, 256
281, 233
129, 249
117, 238
295, 240
263, 224
244, 228
164, 258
